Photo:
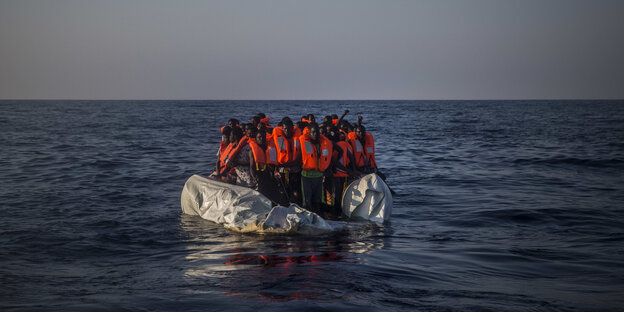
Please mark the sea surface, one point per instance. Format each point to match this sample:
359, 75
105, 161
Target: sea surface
500, 206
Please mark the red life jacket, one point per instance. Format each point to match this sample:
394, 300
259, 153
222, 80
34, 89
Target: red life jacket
344, 160
286, 148
364, 153
335, 121
232, 152
313, 159
263, 157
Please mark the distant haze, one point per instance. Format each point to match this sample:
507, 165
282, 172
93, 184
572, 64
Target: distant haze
316, 49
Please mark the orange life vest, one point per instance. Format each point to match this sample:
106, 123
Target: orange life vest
231, 152
351, 136
335, 121
364, 153
313, 159
263, 157
344, 160
223, 154
287, 149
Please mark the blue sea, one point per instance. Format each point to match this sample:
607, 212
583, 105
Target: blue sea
500, 206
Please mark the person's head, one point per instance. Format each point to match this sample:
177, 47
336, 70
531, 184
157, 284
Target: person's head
332, 133
287, 125
236, 134
225, 134
334, 116
251, 131
261, 137
261, 126
261, 115
255, 120
322, 129
301, 125
233, 122
247, 128
328, 126
314, 131
360, 131
327, 119
311, 118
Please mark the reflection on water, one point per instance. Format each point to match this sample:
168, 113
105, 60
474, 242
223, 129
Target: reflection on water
277, 268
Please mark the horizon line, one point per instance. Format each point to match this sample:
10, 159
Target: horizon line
321, 100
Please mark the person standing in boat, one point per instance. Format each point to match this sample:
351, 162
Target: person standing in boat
363, 145
286, 139
343, 169
316, 160
238, 159
262, 165
221, 153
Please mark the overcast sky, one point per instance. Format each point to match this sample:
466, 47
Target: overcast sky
316, 49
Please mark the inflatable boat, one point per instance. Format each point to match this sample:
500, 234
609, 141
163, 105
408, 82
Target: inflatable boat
245, 210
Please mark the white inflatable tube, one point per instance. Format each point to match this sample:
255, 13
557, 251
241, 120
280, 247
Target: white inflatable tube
245, 210
368, 198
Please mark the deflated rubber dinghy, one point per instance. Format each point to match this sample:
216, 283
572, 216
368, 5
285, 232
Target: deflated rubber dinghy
367, 198
245, 210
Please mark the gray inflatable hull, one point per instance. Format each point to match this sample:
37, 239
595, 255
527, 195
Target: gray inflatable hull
245, 210
368, 198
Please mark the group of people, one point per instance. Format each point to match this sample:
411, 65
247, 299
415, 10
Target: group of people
306, 163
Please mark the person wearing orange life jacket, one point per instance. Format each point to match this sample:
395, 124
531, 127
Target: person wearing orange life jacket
286, 139
310, 119
315, 155
343, 168
363, 145
225, 141
262, 165
237, 158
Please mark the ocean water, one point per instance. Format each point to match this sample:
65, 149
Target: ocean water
500, 206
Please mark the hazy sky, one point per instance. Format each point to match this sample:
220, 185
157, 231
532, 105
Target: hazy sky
316, 49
